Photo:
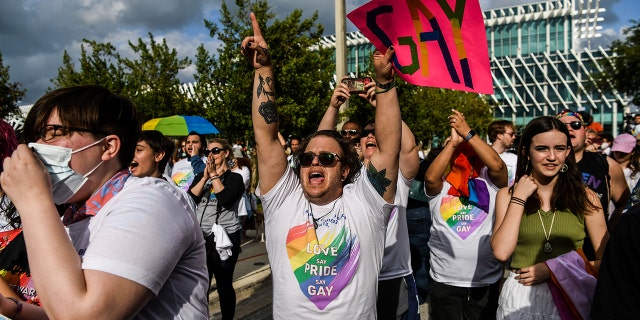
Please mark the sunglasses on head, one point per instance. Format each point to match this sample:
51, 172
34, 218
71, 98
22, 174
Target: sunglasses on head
349, 132
366, 132
575, 125
215, 150
326, 159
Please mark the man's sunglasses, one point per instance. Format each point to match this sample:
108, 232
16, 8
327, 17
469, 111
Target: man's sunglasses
326, 159
349, 132
215, 150
366, 132
575, 125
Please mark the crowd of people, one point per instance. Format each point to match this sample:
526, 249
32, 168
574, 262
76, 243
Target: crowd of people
101, 219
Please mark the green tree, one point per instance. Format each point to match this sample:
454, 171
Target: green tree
10, 92
303, 75
150, 80
622, 72
153, 77
100, 65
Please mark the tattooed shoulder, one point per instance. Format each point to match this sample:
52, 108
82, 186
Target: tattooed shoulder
378, 178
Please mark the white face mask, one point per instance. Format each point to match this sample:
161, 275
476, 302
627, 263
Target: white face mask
604, 145
65, 181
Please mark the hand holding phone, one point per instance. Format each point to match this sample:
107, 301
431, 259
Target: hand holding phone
356, 85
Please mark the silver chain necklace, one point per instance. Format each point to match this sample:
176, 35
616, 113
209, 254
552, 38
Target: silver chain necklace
315, 221
547, 244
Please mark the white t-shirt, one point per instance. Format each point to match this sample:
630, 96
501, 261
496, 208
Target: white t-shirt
246, 176
460, 240
148, 233
511, 160
330, 272
182, 174
396, 262
631, 181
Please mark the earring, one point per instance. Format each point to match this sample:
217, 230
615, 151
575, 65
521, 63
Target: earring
564, 167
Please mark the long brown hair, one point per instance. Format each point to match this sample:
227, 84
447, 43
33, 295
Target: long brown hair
569, 193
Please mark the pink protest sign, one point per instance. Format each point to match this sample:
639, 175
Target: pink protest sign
439, 43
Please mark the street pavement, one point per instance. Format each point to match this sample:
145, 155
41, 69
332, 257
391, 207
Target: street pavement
252, 282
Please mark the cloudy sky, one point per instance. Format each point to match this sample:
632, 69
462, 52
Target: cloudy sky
35, 33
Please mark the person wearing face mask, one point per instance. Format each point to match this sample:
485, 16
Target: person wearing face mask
217, 192
126, 247
16, 286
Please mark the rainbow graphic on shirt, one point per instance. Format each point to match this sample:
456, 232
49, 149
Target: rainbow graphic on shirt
183, 179
323, 267
463, 215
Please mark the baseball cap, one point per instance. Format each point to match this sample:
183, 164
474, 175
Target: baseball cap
624, 143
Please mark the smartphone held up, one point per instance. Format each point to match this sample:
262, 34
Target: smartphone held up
356, 85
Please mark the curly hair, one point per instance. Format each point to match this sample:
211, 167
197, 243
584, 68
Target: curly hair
349, 156
569, 192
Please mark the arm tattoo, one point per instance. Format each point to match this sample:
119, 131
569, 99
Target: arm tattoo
262, 86
268, 111
378, 179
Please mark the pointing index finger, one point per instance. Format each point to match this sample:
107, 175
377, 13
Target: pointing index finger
256, 28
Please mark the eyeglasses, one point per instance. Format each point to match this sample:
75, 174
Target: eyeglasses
52, 131
575, 125
326, 159
349, 132
366, 132
215, 150
510, 133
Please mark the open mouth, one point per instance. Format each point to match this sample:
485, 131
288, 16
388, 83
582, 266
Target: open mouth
133, 164
316, 177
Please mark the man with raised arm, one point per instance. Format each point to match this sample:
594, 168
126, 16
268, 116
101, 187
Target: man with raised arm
325, 229
397, 295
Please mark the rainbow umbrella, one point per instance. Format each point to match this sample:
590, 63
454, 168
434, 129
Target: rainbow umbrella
180, 125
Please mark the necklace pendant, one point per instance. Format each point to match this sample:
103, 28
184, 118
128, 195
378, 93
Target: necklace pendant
547, 247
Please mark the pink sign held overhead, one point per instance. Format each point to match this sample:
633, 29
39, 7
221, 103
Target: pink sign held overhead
439, 43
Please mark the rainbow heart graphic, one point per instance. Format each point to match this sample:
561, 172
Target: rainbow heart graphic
323, 267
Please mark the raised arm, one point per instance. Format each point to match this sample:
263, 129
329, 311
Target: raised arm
433, 175
272, 159
409, 159
339, 96
382, 170
496, 168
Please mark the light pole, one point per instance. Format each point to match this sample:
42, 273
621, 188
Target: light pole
341, 46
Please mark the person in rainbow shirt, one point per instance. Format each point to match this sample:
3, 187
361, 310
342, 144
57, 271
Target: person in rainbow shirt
466, 276
325, 228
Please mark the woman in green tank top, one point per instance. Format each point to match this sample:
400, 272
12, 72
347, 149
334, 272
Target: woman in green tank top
541, 217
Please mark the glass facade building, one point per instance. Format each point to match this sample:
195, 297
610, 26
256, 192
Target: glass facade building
541, 61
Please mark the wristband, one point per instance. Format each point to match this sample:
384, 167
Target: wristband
215, 177
18, 307
518, 201
383, 91
470, 135
385, 86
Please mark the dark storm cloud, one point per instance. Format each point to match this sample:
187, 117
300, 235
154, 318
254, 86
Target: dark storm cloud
35, 33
